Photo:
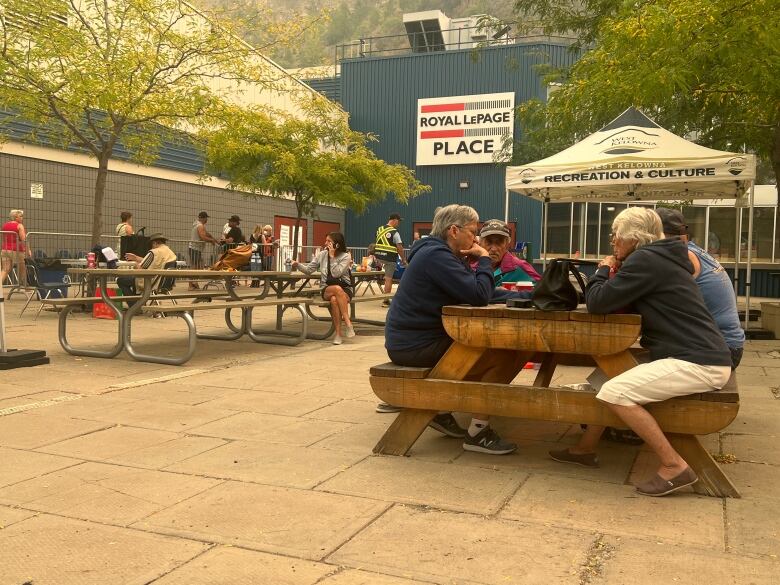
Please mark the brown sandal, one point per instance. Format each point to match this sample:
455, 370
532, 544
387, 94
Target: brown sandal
658, 486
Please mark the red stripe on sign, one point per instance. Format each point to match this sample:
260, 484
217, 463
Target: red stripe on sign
443, 134
443, 108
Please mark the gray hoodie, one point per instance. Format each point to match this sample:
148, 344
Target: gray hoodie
339, 267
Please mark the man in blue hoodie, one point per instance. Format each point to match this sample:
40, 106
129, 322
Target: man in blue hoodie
438, 274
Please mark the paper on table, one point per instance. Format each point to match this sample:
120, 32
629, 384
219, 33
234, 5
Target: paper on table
109, 254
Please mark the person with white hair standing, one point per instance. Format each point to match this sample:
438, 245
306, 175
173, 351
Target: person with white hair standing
687, 352
14, 247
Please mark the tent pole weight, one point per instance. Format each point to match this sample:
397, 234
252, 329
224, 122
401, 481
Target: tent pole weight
16, 358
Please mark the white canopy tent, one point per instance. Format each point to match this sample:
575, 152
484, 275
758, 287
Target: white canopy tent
633, 159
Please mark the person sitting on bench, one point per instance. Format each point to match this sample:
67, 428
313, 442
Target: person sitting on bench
687, 352
158, 258
438, 275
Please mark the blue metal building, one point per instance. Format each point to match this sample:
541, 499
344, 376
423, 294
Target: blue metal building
380, 94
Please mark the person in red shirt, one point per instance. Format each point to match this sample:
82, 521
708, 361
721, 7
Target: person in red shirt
13, 247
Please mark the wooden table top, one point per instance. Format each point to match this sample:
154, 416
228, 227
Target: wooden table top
576, 331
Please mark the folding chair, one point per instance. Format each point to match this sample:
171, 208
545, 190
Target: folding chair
35, 286
164, 285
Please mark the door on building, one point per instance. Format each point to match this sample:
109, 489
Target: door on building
322, 229
284, 228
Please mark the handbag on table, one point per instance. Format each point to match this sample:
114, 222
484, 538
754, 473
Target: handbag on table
555, 292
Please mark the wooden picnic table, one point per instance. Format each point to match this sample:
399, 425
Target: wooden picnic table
491, 345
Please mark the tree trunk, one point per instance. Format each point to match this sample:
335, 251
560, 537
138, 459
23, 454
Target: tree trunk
776, 163
296, 231
100, 191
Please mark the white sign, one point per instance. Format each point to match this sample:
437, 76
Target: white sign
284, 235
465, 129
36, 190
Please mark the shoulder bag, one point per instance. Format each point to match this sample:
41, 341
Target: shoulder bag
555, 292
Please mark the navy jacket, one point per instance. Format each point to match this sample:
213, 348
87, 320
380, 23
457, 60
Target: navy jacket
434, 278
656, 281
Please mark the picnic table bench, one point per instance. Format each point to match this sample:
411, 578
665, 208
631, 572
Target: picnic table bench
491, 345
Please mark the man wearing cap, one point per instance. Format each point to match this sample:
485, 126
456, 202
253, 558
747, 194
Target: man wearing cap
233, 235
388, 248
714, 284
158, 258
495, 236
198, 238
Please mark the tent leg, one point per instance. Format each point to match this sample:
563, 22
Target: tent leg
749, 257
544, 234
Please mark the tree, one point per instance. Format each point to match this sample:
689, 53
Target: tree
315, 159
707, 67
94, 74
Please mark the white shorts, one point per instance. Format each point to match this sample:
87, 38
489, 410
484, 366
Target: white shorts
662, 379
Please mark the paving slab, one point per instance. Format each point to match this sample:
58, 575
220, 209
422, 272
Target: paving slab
757, 416
49, 550
272, 402
271, 428
36, 399
10, 516
179, 392
36, 428
446, 547
164, 416
104, 493
294, 522
632, 562
357, 577
619, 510
225, 565
752, 449
412, 481
357, 438
109, 443
164, 454
352, 410
752, 527
277, 379
268, 463
20, 465
757, 481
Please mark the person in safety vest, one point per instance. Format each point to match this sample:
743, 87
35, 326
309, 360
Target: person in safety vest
388, 248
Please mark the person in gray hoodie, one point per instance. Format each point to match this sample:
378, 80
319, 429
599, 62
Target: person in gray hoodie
688, 354
334, 263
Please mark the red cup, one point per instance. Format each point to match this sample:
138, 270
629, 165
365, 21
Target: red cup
509, 285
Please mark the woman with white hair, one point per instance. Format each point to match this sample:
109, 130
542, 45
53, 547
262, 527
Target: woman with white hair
687, 352
14, 247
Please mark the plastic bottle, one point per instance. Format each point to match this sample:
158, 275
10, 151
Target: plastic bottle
288, 265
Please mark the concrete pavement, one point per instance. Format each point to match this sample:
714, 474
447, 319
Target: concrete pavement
252, 464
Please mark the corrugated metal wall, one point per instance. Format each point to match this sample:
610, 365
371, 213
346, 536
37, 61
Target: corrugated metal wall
381, 96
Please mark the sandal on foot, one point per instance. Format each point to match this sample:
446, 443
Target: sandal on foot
584, 459
658, 486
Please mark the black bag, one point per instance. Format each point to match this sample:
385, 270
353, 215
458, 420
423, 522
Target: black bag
329, 279
555, 292
136, 243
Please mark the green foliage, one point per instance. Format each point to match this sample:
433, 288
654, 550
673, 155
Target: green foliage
707, 67
116, 71
314, 159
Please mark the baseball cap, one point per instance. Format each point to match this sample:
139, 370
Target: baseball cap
673, 221
203, 215
495, 227
235, 218
395, 216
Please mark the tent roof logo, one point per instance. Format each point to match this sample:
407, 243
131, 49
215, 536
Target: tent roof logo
737, 165
628, 141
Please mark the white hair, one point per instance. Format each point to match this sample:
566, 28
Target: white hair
15, 213
450, 215
640, 224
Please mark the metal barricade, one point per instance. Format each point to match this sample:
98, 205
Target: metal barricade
285, 252
66, 246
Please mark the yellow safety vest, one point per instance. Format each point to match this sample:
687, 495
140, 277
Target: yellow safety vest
384, 247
